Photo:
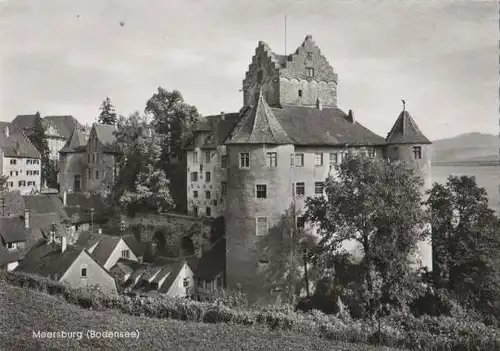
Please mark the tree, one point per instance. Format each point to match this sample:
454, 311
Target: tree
38, 138
107, 115
141, 185
466, 244
377, 205
3, 182
173, 118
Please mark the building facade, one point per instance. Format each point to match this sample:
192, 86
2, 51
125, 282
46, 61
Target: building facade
283, 145
19, 160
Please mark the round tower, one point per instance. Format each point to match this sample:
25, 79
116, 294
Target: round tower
406, 143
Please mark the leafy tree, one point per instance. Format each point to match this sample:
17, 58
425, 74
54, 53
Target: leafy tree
466, 244
141, 185
3, 182
375, 204
38, 138
107, 115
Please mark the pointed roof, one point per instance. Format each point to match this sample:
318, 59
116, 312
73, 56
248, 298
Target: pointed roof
63, 124
406, 131
76, 140
259, 126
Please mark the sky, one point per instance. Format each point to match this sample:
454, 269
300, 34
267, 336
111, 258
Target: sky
67, 56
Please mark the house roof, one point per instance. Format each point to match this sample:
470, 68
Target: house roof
25, 121
16, 144
133, 244
46, 259
406, 131
7, 256
157, 271
41, 225
63, 124
13, 203
213, 262
12, 230
46, 203
106, 135
127, 266
259, 126
76, 142
105, 248
223, 127
301, 126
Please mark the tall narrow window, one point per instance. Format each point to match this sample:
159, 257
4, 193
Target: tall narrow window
299, 160
207, 177
223, 161
260, 76
417, 152
261, 226
301, 221
261, 191
125, 253
194, 176
272, 159
195, 156
300, 92
300, 189
310, 72
195, 194
223, 188
83, 272
318, 159
208, 211
334, 158
96, 174
207, 156
318, 188
208, 195
244, 160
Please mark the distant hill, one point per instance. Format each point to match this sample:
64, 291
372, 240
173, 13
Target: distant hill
467, 148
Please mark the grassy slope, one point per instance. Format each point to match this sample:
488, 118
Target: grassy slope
23, 311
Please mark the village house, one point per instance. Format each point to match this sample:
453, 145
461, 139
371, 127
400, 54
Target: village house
85, 211
19, 160
88, 164
57, 130
211, 269
287, 139
13, 242
67, 264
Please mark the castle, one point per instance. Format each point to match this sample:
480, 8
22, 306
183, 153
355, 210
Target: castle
278, 149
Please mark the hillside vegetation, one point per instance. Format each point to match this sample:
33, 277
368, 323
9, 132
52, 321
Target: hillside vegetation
469, 147
24, 311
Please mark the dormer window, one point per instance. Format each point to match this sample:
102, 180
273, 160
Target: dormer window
310, 72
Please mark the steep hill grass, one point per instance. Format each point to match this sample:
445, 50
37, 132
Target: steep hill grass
26, 311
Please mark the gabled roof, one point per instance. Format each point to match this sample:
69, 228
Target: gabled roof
7, 256
127, 266
406, 131
16, 144
12, 230
47, 203
222, 128
25, 121
46, 259
105, 248
259, 126
63, 124
213, 262
41, 225
134, 245
76, 142
13, 202
105, 134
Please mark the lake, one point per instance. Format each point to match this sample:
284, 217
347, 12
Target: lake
487, 177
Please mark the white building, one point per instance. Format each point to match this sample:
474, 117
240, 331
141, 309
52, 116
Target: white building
19, 160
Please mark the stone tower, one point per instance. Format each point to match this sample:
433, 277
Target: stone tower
301, 78
406, 143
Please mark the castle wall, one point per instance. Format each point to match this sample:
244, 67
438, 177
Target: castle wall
71, 165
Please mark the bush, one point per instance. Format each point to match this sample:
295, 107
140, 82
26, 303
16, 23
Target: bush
399, 330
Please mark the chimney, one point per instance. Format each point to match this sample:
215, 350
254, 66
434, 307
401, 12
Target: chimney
7, 132
65, 198
350, 117
64, 243
319, 106
27, 218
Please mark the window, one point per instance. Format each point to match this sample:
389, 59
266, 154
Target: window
244, 160
299, 160
28, 162
207, 156
292, 156
301, 221
88, 158
371, 152
208, 211
96, 157
194, 176
300, 92
417, 152
83, 272
272, 159
21, 183
309, 55
125, 253
195, 156
223, 161
208, 195
224, 188
309, 72
90, 173
93, 157
10, 246
260, 76
195, 194
13, 162
11, 173
36, 172
261, 191
261, 227
207, 177
77, 182
185, 282
17, 173
318, 159
28, 172
300, 189
318, 188
96, 174
29, 183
